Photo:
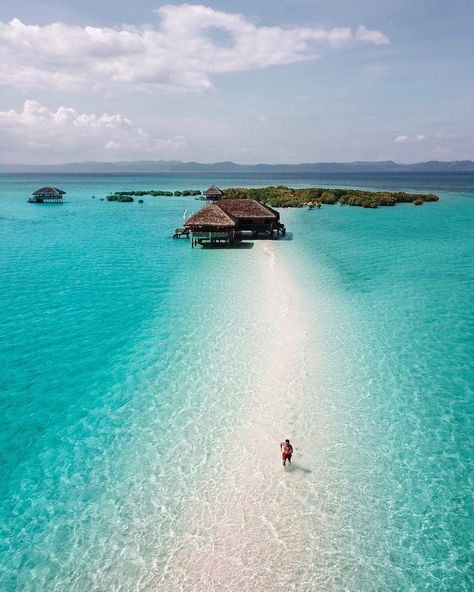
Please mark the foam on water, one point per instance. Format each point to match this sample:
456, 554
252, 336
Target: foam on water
146, 387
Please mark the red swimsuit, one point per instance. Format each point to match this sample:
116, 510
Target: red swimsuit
286, 453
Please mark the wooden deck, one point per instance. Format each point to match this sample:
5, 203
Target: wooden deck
179, 232
39, 199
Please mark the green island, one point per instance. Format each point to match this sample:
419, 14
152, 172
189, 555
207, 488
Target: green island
286, 197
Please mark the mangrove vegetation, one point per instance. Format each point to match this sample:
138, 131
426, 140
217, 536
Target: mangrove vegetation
120, 195
286, 197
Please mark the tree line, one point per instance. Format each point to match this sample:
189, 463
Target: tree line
286, 197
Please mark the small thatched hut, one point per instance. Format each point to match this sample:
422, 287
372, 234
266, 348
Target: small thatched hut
213, 193
226, 219
211, 224
47, 195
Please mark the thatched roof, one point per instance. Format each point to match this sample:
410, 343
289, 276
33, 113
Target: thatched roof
276, 212
49, 191
211, 215
247, 208
214, 192
226, 214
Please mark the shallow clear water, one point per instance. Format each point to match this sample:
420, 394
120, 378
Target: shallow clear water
139, 376
401, 283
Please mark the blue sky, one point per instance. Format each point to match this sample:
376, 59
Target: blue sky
286, 81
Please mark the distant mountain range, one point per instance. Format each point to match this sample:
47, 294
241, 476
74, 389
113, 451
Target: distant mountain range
176, 166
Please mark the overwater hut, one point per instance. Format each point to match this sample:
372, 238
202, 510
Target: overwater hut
251, 216
211, 224
227, 219
47, 195
213, 193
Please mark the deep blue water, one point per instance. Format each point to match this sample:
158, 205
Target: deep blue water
117, 368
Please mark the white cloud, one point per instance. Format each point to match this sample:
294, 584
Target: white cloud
35, 130
413, 138
178, 55
368, 36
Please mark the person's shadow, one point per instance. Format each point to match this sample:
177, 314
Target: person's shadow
297, 468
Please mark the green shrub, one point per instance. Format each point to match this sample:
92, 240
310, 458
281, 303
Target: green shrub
328, 197
120, 198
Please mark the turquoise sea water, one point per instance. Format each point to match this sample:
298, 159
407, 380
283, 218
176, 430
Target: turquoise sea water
128, 359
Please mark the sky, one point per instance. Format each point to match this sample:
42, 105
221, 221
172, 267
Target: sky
250, 81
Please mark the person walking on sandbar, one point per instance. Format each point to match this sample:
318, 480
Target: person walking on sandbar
286, 451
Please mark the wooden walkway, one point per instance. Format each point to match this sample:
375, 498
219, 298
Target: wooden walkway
179, 232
